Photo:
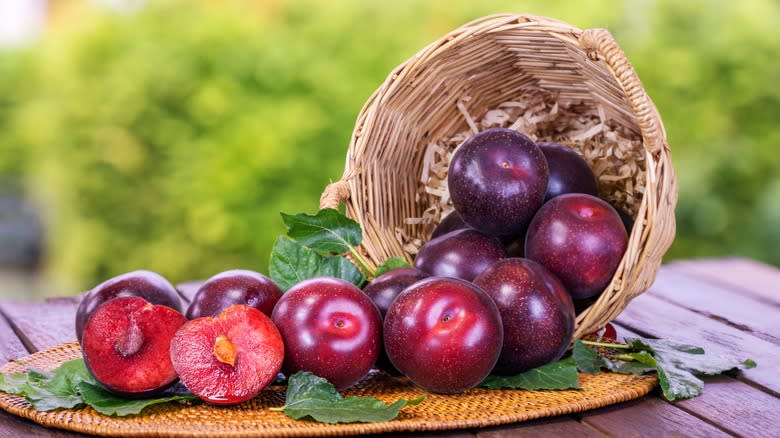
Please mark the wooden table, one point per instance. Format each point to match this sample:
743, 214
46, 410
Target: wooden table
723, 305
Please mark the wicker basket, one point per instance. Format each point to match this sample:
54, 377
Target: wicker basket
490, 60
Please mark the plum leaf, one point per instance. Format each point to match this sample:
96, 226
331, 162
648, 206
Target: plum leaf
390, 264
311, 396
291, 262
556, 375
327, 232
108, 404
71, 385
679, 365
587, 359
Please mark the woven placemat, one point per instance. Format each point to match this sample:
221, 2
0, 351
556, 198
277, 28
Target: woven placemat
475, 408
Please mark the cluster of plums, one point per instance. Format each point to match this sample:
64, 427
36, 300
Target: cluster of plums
471, 305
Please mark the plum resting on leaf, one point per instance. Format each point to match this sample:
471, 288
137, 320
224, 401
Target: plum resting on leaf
330, 328
229, 358
126, 345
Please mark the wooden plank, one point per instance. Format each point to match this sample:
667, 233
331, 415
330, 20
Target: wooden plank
745, 275
444, 434
188, 289
648, 416
15, 427
559, 426
736, 407
654, 317
42, 325
11, 346
732, 307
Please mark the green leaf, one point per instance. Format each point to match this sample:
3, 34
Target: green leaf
58, 389
557, 375
71, 385
622, 367
587, 359
678, 365
12, 383
327, 232
108, 404
314, 397
291, 263
390, 264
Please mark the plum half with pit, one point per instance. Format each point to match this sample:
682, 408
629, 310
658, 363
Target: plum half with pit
238, 286
445, 334
330, 328
569, 172
460, 254
230, 358
537, 313
125, 346
497, 180
145, 284
580, 239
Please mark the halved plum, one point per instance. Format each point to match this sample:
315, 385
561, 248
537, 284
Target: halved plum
230, 358
125, 345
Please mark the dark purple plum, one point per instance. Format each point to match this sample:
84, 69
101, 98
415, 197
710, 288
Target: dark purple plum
537, 313
497, 180
580, 239
628, 221
383, 291
387, 286
126, 344
450, 223
237, 286
569, 172
148, 285
460, 254
444, 334
331, 328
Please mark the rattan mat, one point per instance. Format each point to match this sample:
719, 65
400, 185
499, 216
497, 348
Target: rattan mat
475, 408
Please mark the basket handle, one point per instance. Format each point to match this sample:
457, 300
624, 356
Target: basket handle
335, 193
599, 44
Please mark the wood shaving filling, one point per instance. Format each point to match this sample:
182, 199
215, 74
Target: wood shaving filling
613, 152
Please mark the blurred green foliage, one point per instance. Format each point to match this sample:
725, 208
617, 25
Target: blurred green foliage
171, 138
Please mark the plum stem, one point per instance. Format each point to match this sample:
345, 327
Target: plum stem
605, 344
363, 265
224, 350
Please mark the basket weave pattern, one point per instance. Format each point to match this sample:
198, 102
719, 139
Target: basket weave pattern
475, 408
491, 60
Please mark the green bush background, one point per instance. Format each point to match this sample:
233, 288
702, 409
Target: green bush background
169, 139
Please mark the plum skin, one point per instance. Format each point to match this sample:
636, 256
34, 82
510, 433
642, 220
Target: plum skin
148, 285
449, 223
385, 288
445, 334
230, 358
537, 313
579, 238
125, 346
330, 328
237, 286
460, 254
497, 180
569, 172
